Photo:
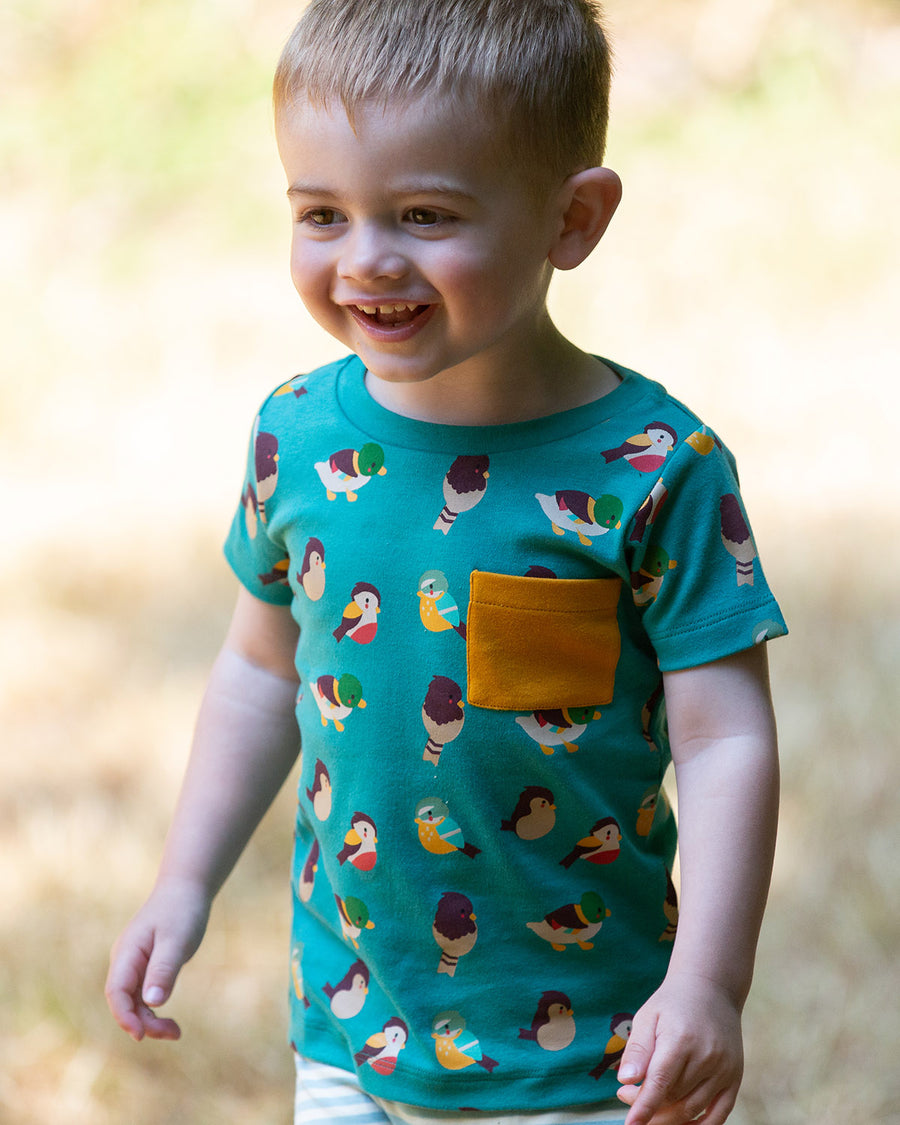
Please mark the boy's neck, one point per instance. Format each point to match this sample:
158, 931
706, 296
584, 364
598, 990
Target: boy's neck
547, 375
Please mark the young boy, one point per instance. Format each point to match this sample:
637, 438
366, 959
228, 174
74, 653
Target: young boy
503, 582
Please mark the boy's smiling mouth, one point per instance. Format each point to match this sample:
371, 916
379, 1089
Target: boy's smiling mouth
390, 322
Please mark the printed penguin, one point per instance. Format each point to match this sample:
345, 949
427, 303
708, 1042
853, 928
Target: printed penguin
336, 698
561, 727
437, 606
348, 996
569, 510
454, 929
320, 793
360, 619
349, 469
647, 582
381, 1050
602, 846
455, 1051
311, 574
308, 874
360, 843
534, 815
553, 1026
645, 452
442, 715
620, 1026
439, 834
573, 924
464, 487
354, 918
736, 538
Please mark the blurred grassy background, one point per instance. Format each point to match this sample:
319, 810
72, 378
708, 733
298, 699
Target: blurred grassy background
146, 308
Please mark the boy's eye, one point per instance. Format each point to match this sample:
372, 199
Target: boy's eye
423, 217
321, 217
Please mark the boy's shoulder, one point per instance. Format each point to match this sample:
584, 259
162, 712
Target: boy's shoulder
638, 396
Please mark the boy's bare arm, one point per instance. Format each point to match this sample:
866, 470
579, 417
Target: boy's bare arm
244, 746
685, 1049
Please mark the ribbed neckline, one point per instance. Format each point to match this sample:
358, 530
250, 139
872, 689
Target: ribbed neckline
385, 426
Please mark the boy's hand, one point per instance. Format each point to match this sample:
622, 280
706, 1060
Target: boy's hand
148, 955
684, 1057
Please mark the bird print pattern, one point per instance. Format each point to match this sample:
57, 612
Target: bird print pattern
646, 451
347, 997
442, 715
359, 620
381, 1049
522, 856
553, 1025
602, 846
438, 832
437, 607
360, 843
349, 469
561, 727
736, 538
620, 1026
464, 487
454, 929
455, 1047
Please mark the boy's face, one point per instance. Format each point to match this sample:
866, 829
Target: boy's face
414, 244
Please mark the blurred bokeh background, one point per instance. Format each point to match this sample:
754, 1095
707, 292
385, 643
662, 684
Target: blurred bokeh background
146, 308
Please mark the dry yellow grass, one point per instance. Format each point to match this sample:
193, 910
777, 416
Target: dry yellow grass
753, 268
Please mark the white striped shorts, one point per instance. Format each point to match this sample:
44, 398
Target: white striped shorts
329, 1096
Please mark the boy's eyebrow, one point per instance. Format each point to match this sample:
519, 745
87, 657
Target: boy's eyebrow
301, 188
412, 187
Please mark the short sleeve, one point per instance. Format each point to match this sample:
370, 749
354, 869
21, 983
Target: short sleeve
696, 577
256, 556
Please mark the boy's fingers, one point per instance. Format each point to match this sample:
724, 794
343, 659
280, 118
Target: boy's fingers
122, 1007
662, 1075
157, 1027
163, 968
159, 979
720, 1107
636, 1055
122, 985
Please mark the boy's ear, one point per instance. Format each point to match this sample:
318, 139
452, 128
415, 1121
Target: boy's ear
589, 201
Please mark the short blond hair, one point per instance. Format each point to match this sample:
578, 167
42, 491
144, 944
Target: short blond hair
538, 71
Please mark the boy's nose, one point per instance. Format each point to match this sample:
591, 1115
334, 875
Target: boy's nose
368, 254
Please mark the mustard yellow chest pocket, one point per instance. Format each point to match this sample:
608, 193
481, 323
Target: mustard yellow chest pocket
540, 643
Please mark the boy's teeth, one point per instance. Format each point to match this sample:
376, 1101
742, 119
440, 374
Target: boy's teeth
391, 315
371, 310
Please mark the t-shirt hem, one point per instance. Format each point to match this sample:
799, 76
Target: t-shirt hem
525, 1087
691, 645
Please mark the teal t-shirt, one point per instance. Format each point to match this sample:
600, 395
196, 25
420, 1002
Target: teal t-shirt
483, 849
